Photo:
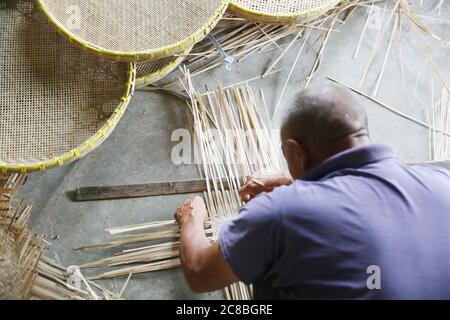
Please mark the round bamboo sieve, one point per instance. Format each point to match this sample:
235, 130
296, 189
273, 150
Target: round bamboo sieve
281, 12
57, 102
134, 30
148, 72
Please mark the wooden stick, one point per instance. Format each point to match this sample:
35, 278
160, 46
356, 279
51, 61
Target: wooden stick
142, 190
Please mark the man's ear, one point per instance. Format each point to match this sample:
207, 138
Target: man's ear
296, 158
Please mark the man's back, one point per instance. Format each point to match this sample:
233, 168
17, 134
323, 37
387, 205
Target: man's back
361, 221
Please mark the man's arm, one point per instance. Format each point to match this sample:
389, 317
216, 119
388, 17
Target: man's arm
204, 265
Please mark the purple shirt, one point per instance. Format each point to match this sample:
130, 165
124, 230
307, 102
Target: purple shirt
321, 237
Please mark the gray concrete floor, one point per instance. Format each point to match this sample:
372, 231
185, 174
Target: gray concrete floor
139, 149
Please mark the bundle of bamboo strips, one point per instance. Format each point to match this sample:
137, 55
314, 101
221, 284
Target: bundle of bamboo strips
240, 39
160, 253
38, 276
239, 117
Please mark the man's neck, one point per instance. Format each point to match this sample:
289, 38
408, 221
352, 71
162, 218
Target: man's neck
338, 147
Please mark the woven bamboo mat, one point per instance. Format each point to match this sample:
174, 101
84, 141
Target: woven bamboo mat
283, 12
134, 30
148, 72
57, 102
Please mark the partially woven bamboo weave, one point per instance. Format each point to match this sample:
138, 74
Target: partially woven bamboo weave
25, 273
134, 30
20, 248
148, 72
283, 11
57, 102
11, 277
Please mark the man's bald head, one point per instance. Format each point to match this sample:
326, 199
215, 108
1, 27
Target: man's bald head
324, 115
325, 120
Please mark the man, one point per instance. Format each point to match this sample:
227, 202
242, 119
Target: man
353, 223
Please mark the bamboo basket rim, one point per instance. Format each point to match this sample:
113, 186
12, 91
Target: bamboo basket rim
286, 18
153, 54
159, 74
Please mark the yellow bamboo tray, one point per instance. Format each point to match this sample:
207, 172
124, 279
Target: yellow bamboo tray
148, 72
282, 11
57, 102
134, 30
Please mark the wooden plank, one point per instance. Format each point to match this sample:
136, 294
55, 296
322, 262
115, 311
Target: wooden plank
143, 190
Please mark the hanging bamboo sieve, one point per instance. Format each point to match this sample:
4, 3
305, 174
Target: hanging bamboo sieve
281, 12
57, 102
134, 30
148, 72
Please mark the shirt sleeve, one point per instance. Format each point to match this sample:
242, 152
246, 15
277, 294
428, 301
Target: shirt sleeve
250, 241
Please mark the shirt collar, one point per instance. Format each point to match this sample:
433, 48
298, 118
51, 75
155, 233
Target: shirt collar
352, 158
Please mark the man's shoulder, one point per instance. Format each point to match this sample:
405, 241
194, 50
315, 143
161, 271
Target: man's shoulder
269, 206
304, 190
431, 169
303, 197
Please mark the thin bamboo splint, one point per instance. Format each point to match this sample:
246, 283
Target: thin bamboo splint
156, 255
57, 103
134, 30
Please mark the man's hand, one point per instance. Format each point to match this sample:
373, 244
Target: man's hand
263, 182
192, 210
